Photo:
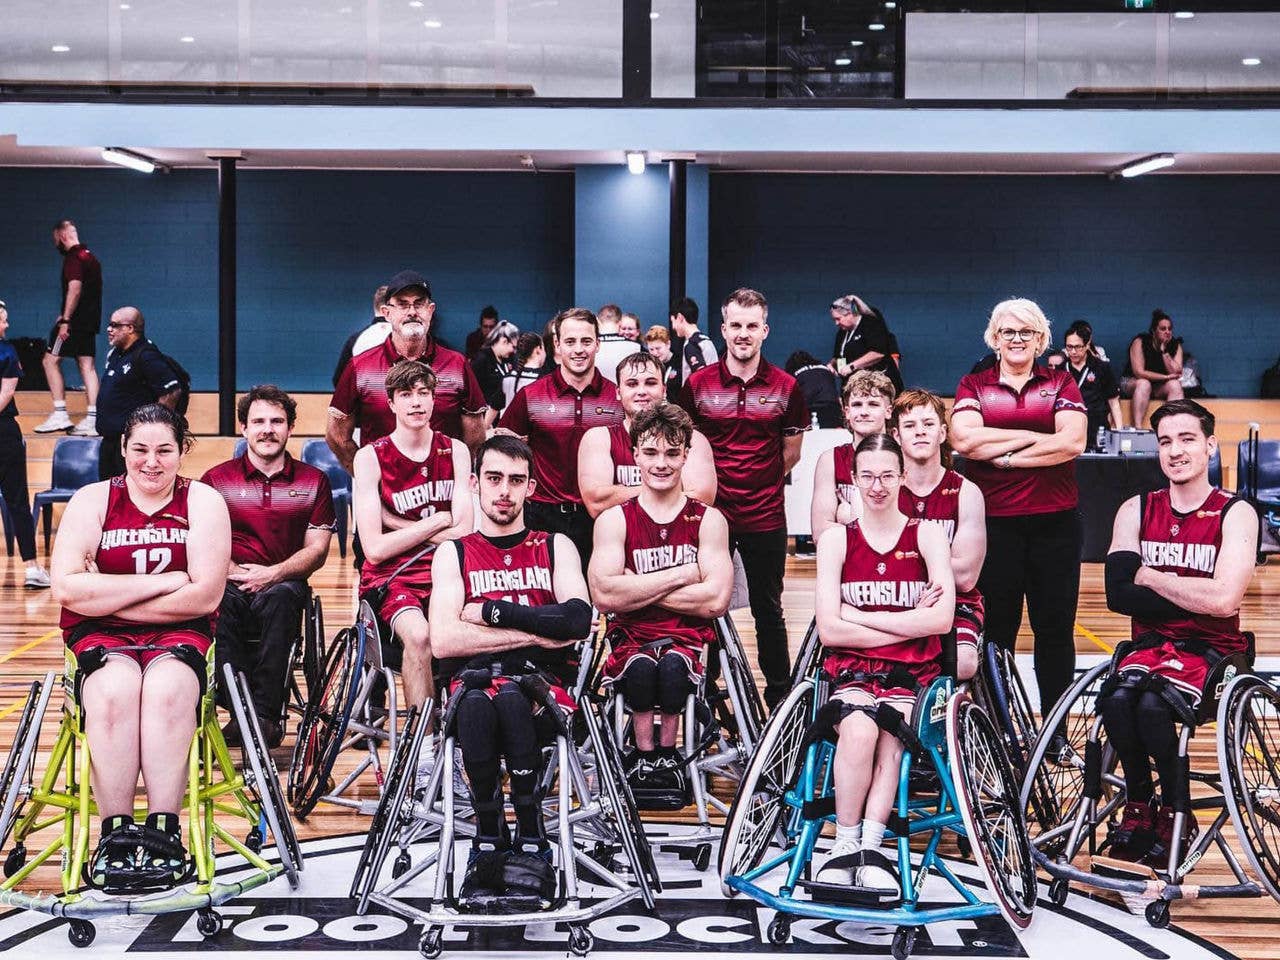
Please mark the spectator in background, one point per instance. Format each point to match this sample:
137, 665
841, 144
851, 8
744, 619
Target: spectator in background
614, 347
1093, 376
698, 350
863, 340
820, 386
371, 336
135, 374
657, 341
476, 339
629, 327
529, 360
75, 332
1154, 367
13, 461
491, 364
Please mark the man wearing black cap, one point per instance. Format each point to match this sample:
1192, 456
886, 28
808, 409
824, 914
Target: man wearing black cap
360, 399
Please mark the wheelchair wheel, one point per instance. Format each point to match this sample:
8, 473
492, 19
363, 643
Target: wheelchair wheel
740, 667
806, 662
987, 794
313, 644
387, 818
612, 787
324, 721
265, 785
1010, 707
759, 803
19, 766
1249, 759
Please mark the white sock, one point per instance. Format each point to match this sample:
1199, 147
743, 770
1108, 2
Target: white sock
850, 836
872, 834
60, 405
91, 412
33, 566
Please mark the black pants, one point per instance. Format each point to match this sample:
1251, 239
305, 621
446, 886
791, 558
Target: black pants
663, 683
577, 525
255, 633
493, 727
764, 558
1036, 556
13, 487
1140, 724
110, 459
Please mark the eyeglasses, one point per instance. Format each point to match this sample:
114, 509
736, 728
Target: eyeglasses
1008, 336
1074, 348
869, 480
117, 326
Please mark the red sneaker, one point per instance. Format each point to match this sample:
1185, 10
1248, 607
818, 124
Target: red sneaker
1158, 855
1133, 839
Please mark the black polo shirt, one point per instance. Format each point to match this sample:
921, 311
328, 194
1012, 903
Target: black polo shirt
131, 379
10, 369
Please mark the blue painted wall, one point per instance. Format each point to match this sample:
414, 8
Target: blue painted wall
936, 253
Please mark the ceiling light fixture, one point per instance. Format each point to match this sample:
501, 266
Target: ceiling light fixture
125, 6
654, 14
875, 25
1183, 15
855, 43
416, 4
186, 39
432, 24
134, 161
60, 48
635, 162
1136, 169
890, 5
842, 61
1251, 62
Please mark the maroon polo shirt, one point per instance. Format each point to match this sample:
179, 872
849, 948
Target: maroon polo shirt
362, 390
1021, 490
270, 516
554, 416
746, 423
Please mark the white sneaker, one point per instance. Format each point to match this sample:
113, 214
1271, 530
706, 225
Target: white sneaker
58, 420
37, 578
87, 427
841, 874
878, 879
422, 776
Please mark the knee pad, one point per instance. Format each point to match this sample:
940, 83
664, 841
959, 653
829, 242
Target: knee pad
638, 684
674, 685
477, 724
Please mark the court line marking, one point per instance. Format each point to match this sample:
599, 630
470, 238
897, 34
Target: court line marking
43, 638
1097, 640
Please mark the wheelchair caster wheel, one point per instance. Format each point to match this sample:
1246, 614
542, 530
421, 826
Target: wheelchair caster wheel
702, 857
81, 933
580, 941
15, 861
432, 943
254, 840
1158, 914
401, 866
904, 941
779, 931
1058, 891
209, 923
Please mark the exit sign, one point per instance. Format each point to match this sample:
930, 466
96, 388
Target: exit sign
1139, 4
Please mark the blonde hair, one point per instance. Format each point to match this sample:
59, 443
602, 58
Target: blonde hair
868, 383
1028, 312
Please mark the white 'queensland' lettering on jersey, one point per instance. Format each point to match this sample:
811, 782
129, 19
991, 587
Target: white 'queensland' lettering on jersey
503, 581
1187, 556
423, 493
628, 475
142, 535
882, 593
668, 555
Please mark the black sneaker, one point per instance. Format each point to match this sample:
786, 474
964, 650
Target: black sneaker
483, 878
114, 864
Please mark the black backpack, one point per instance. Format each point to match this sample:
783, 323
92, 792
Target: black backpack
1271, 381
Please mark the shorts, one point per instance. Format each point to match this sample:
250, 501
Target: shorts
970, 616
561, 696
79, 343
403, 595
625, 649
842, 661
1186, 672
158, 637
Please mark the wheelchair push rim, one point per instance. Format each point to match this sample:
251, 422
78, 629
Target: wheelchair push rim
1249, 759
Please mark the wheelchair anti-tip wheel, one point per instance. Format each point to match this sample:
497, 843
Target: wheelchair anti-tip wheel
16, 780
324, 721
1249, 758
759, 803
987, 795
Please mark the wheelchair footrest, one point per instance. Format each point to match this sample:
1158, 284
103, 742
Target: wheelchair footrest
498, 904
866, 897
1120, 869
661, 798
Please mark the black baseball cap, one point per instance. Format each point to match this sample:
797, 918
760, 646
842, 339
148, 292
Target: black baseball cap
405, 280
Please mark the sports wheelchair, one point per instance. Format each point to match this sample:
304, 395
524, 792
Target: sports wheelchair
590, 816
720, 731
61, 800
1073, 791
786, 798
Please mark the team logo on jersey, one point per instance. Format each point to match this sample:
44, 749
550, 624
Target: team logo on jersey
601, 411
880, 567
905, 554
1207, 513
1173, 531
425, 470
507, 559
295, 493
662, 532
919, 506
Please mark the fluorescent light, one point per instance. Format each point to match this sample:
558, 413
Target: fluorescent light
1251, 62
1139, 167
890, 5
1183, 15
127, 158
855, 43
125, 6
842, 61
654, 15
415, 4
432, 24
877, 25
635, 162
60, 48
186, 39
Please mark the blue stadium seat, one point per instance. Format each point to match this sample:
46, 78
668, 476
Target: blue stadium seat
1215, 469
241, 445
1267, 491
75, 464
318, 454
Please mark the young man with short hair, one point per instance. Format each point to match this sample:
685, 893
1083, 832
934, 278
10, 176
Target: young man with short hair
698, 350
867, 402
613, 346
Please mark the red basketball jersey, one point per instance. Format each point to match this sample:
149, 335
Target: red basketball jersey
412, 489
941, 505
133, 542
625, 471
842, 463
893, 581
651, 546
1187, 545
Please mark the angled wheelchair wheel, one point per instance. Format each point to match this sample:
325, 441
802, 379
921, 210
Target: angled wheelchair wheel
313, 643
612, 787
806, 662
1249, 759
17, 779
261, 779
743, 678
389, 816
325, 719
760, 801
987, 794
1010, 707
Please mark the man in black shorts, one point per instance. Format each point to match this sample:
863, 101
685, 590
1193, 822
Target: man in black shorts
75, 331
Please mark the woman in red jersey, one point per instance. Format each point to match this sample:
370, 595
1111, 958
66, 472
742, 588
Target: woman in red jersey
141, 561
885, 595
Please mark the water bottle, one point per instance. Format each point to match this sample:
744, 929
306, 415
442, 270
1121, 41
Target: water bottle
1102, 439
